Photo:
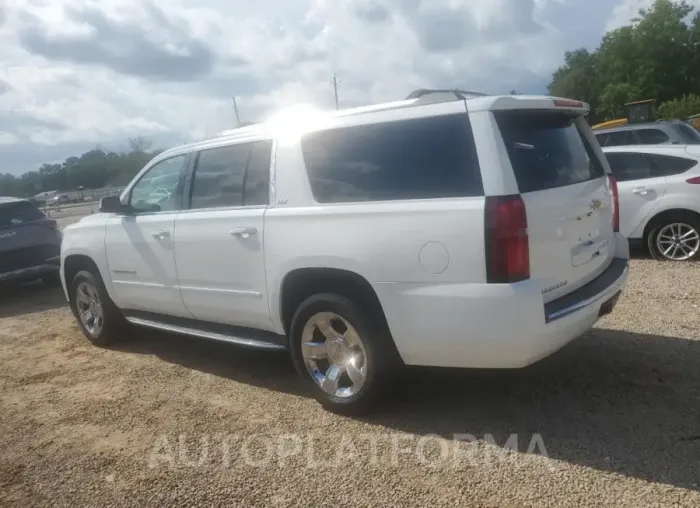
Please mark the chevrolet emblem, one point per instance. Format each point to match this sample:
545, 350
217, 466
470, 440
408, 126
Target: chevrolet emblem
596, 204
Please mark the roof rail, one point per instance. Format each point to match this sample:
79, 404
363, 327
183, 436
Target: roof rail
443, 95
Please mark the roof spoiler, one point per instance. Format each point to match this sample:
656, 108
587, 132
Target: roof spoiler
443, 95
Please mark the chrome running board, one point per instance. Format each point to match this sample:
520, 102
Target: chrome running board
204, 334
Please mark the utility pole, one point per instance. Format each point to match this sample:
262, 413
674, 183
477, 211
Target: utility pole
335, 89
235, 108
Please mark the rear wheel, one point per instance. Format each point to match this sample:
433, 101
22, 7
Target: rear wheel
676, 239
343, 356
98, 318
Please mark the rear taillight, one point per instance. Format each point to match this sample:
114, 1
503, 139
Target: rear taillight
695, 180
616, 204
51, 224
507, 244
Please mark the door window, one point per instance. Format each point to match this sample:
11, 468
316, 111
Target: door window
629, 166
233, 175
160, 189
652, 136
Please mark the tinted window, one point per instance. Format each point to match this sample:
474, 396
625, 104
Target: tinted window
613, 138
159, 189
652, 136
13, 214
547, 149
629, 166
233, 175
257, 179
667, 165
689, 134
409, 159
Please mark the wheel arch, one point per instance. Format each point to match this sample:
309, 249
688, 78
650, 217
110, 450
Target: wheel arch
659, 218
300, 283
74, 263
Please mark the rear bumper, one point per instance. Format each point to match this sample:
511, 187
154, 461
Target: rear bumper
492, 325
32, 272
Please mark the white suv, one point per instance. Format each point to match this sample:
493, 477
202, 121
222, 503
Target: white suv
443, 230
659, 198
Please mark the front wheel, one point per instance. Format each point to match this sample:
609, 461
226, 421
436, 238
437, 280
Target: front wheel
343, 356
676, 240
98, 317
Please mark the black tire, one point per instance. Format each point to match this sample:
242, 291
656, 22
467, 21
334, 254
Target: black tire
381, 357
687, 220
51, 279
113, 323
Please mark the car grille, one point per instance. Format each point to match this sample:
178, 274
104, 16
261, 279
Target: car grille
28, 256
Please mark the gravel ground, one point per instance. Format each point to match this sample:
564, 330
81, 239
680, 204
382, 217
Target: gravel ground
160, 420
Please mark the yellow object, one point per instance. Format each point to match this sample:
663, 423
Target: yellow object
611, 123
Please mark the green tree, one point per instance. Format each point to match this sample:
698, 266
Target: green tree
91, 170
682, 107
656, 57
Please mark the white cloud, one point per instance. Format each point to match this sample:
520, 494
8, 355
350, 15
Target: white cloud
74, 73
627, 10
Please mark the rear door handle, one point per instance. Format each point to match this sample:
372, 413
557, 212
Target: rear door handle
642, 191
243, 232
161, 235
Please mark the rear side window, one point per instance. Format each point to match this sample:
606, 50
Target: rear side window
234, 175
652, 136
630, 166
690, 134
14, 214
547, 149
409, 159
667, 165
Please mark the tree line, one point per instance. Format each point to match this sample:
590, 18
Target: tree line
656, 57
94, 169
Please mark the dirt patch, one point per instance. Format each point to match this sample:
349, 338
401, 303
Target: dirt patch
161, 420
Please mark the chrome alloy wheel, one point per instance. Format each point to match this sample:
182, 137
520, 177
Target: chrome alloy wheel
334, 354
678, 241
89, 307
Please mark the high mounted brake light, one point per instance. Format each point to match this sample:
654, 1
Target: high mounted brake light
567, 103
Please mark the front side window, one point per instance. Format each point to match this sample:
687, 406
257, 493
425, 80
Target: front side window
629, 166
617, 138
421, 158
159, 189
233, 175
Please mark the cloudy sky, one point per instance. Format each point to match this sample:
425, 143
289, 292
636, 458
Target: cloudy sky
75, 74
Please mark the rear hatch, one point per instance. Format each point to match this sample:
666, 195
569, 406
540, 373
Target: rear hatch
566, 192
27, 237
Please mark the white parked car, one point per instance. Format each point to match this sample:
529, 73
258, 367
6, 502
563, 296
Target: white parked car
659, 190
444, 230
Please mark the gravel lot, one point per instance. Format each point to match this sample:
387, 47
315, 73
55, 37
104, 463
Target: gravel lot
612, 419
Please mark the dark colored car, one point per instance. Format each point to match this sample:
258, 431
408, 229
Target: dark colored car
651, 133
30, 243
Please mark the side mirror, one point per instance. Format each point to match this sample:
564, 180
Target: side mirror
112, 204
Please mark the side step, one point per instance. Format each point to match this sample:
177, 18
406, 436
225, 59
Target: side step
246, 337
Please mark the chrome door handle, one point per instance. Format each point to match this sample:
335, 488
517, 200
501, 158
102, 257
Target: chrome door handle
161, 235
243, 232
642, 191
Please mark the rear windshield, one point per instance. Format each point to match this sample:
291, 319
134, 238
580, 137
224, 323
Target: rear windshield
14, 214
547, 149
